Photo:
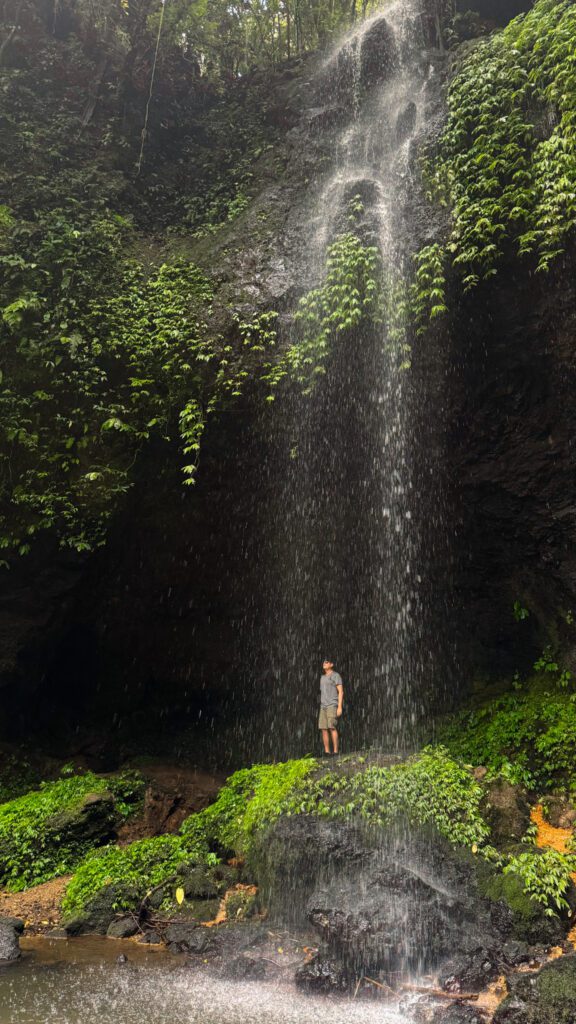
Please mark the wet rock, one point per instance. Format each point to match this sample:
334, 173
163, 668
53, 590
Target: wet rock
94, 819
125, 928
58, 933
321, 974
122, 959
471, 973
516, 915
514, 954
458, 1015
548, 997
559, 812
378, 54
406, 122
100, 912
151, 938
507, 811
187, 937
9, 945
13, 922
244, 968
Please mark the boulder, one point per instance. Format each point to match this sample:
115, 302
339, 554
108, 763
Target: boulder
548, 997
506, 809
559, 812
93, 820
472, 972
124, 928
321, 974
100, 912
13, 922
9, 945
188, 937
515, 914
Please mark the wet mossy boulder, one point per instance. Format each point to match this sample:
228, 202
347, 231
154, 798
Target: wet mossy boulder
517, 913
101, 911
93, 820
548, 997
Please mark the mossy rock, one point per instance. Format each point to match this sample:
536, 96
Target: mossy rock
529, 922
93, 820
101, 911
548, 997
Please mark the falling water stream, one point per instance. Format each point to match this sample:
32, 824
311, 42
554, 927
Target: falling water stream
353, 535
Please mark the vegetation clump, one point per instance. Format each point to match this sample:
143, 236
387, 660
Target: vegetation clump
347, 298
130, 871
506, 164
38, 836
526, 735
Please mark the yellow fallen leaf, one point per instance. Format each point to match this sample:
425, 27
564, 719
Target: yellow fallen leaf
474, 847
179, 895
280, 950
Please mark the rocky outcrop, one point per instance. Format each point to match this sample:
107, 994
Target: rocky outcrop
401, 899
548, 997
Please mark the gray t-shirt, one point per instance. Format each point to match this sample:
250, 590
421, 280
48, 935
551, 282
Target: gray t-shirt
328, 691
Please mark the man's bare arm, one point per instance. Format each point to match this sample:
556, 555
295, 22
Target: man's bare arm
340, 690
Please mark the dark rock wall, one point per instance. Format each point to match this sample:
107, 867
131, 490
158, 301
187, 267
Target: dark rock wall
513, 463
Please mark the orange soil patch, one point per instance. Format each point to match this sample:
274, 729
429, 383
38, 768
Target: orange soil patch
222, 915
557, 839
489, 1000
39, 907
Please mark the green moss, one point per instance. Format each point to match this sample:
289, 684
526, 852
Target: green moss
506, 164
35, 845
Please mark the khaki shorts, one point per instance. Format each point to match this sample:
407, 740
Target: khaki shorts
328, 718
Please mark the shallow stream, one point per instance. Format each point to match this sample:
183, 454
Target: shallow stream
80, 982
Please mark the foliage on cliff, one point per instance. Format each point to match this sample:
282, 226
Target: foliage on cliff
526, 734
506, 163
47, 832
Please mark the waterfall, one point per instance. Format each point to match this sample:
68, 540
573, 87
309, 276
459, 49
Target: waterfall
355, 516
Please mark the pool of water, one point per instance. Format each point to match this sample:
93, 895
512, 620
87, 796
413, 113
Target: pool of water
80, 982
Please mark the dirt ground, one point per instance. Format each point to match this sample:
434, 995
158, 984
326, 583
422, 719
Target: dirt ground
39, 907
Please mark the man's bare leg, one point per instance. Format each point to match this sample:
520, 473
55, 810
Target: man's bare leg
334, 734
326, 740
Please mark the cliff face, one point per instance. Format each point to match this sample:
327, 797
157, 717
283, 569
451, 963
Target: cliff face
512, 437
149, 639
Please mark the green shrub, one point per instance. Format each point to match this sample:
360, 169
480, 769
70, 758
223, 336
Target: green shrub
251, 799
133, 870
506, 164
527, 735
32, 850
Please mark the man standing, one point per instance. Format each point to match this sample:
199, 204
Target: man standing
331, 700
